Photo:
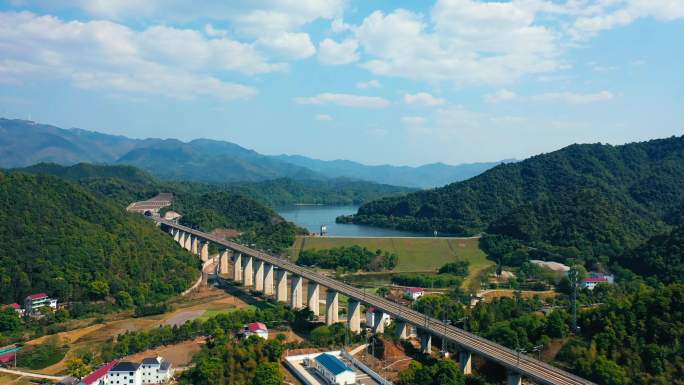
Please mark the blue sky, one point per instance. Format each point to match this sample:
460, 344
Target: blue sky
396, 82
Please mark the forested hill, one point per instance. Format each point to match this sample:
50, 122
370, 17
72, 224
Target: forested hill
586, 200
56, 237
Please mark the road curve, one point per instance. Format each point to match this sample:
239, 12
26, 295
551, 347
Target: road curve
532, 368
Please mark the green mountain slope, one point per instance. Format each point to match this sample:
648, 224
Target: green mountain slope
59, 238
662, 257
589, 199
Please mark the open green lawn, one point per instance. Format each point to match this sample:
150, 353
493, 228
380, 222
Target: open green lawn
415, 254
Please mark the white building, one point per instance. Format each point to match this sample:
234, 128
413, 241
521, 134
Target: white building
125, 373
256, 329
413, 293
334, 370
155, 370
34, 302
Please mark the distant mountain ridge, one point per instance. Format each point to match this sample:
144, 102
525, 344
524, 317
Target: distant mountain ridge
25, 143
425, 176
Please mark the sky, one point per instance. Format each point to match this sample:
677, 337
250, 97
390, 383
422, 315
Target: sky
379, 82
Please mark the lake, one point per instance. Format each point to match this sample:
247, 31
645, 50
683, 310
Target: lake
312, 217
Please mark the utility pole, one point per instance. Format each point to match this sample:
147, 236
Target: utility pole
573, 276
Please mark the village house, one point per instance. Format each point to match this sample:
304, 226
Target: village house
413, 293
256, 329
34, 302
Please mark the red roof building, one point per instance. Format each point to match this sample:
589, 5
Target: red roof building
37, 296
94, 377
256, 329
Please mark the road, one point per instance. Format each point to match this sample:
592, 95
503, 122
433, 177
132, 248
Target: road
30, 374
530, 367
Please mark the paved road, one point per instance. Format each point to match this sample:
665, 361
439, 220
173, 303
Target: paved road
521, 363
30, 374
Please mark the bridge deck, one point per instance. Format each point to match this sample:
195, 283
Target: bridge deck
521, 363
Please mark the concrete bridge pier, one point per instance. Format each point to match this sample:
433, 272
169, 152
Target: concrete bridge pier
281, 286
237, 267
426, 342
223, 262
332, 307
194, 245
181, 238
248, 271
513, 378
176, 234
297, 292
354, 316
378, 322
313, 300
268, 279
465, 359
187, 243
402, 330
204, 251
258, 275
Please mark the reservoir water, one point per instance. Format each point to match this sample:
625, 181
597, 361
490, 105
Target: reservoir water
312, 217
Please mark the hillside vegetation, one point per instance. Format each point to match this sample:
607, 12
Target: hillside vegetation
584, 201
59, 238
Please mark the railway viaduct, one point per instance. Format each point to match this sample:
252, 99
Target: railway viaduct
269, 274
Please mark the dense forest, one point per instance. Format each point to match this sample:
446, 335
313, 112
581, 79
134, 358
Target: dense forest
59, 238
352, 258
583, 201
221, 209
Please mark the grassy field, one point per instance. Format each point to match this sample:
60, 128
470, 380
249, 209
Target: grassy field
415, 254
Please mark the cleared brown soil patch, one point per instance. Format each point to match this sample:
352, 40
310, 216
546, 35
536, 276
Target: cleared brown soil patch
179, 354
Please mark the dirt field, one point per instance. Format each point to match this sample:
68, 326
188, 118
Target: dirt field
489, 295
179, 354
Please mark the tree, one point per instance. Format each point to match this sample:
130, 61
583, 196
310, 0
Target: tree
556, 326
99, 289
77, 368
9, 320
268, 374
124, 299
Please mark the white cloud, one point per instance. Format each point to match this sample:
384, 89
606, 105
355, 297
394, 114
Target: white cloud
463, 41
574, 98
412, 120
178, 63
369, 84
288, 45
324, 118
332, 52
346, 100
256, 18
423, 99
339, 26
623, 12
502, 95
214, 32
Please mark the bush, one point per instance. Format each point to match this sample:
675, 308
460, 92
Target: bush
41, 356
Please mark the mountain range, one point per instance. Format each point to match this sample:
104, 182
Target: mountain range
586, 201
24, 143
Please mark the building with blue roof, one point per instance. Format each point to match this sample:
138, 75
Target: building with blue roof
333, 370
